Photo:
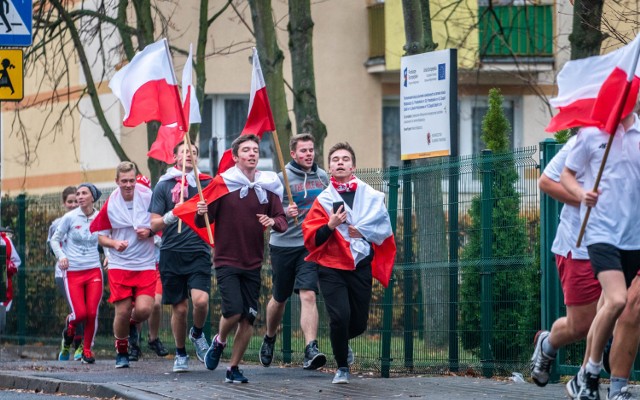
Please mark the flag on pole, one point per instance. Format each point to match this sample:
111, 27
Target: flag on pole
146, 87
170, 135
592, 91
260, 118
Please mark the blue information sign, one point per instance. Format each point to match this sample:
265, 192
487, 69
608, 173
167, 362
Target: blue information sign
16, 18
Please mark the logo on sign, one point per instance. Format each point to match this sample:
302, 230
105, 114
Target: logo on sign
442, 72
405, 75
428, 137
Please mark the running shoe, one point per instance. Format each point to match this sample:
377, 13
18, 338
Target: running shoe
313, 358
234, 375
590, 388
158, 347
122, 360
77, 356
574, 386
266, 350
540, 361
200, 343
88, 358
624, 394
181, 363
212, 357
64, 351
342, 376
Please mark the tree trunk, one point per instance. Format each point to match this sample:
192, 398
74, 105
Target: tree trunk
586, 38
271, 60
430, 216
305, 104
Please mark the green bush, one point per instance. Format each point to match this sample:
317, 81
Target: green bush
514, 283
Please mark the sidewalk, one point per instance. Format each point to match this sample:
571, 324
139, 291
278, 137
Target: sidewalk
152, 379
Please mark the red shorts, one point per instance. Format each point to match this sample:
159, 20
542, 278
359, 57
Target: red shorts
124, 284
158, 281
579, 285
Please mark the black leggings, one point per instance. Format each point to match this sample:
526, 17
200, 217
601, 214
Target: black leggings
347, 295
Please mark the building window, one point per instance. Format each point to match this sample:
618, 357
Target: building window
478, 114
391, 132
223, 118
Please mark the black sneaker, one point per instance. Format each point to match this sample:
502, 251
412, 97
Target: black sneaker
266, 350
212, 357
590, 388
158, 347
88, 358
135, 352
122, 360
234, 375
313, 359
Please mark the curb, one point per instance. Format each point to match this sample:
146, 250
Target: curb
56, 386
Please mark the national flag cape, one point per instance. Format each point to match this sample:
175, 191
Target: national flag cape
369, 215
227, 182
147, 88
13, 262
260, 118
595, 91
170, 135
115, 215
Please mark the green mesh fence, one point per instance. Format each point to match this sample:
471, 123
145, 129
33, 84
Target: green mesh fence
464, 296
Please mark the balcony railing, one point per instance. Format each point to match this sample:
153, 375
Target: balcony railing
508, 32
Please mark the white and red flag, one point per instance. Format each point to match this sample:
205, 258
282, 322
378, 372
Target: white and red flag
260, 118
147, 87
369, 216
170, 135
224, 183
597, 91
115, 214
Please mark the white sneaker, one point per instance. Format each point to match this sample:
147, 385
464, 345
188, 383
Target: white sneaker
181, 364
342, 376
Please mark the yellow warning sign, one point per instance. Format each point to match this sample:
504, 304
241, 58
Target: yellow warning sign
11, 75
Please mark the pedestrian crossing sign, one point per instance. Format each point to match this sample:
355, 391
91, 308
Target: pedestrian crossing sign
11, 75
16, 17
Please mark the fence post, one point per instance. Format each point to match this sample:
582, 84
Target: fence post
407, 220
387, 303
486, 269
454, 174
551, 296
22, 271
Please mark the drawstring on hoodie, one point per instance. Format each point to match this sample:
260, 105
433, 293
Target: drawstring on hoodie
304, 185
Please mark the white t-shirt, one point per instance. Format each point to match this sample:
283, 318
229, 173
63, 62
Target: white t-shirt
569, 226
81, 245
614, 220
139, 254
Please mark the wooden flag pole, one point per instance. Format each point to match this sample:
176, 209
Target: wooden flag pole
183, 127
284, 171
625, 95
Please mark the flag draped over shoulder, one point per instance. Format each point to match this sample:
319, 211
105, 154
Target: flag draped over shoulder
114, 214
592, 91
170, 135
260, 118
369, 215
146, 87
227, 182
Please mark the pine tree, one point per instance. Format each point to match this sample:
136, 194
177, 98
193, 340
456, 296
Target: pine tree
511, 320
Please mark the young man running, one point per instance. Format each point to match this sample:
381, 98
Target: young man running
185, 260
242, 202
348, 233
613, 242
290, 270
124, 226
581, 289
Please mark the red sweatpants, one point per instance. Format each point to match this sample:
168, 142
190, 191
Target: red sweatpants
84, 291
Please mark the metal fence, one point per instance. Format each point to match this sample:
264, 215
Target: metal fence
464, 296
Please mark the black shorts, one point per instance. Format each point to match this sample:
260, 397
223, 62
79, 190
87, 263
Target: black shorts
180, 272
291, 272
607, 257
239, 289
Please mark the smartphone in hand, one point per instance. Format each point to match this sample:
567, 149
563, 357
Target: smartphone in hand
336, 206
